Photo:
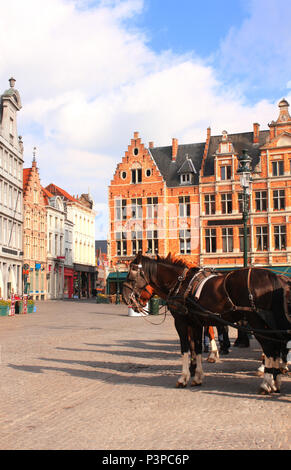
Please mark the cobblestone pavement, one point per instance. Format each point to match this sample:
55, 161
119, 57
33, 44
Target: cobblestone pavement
80, 375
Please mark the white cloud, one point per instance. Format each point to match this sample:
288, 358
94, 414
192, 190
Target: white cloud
259, 51
87, 82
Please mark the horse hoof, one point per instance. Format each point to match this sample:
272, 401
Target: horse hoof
211, 360
263, 391
181, 385
195, 384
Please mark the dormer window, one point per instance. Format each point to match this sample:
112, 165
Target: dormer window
186, 178
187, 171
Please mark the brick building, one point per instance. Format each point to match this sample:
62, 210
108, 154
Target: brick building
187, 199
34, 234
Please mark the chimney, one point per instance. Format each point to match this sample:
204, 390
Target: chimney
135, 135
151, 145
174, 149
256, 132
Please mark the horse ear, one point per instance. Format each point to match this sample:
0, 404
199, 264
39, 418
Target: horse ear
169, 257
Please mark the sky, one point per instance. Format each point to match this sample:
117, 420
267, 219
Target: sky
92, 72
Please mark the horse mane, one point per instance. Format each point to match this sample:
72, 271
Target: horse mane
171, 260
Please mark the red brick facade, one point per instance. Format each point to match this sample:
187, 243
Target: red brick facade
186, 199
34, 234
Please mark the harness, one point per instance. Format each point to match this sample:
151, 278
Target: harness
189, 295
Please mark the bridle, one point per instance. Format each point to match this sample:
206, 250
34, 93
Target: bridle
137, 283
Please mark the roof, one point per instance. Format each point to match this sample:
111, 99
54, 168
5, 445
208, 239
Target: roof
187, 166
46, 194
26, 175
240, 142
169, 169
55, 190
101, 245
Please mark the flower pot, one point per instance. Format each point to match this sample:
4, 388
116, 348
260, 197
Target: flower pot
4, 310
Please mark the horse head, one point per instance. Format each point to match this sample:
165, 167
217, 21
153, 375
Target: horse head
136, 288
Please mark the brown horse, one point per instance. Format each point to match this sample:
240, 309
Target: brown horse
197, 297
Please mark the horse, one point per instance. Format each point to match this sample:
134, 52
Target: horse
198, 297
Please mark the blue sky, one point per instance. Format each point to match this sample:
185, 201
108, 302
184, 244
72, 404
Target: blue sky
92, 72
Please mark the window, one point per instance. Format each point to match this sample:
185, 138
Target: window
148, 172
184, 206
261, 200
227, 239
210, 239
226, 203
121, 243
152, 207
152, 241
241, 239
209, 201
136, 208
278, 168
280, 237
136, 242
262, 238
185, 241
136, 175
186, 178
225, 172
279, 199
120, 209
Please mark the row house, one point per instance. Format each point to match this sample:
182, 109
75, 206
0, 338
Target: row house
81, 278
35, 268
55, 216
11, 192
187, 199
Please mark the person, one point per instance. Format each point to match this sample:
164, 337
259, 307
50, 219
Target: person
242, 340
223, 339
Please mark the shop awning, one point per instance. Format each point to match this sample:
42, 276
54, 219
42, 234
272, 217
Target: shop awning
120, 276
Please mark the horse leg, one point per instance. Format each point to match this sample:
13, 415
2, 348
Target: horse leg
213, 355
198, 377
272, 376
182, 330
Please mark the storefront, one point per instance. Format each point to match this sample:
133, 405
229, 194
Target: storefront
84, 281
114, 282
68, 283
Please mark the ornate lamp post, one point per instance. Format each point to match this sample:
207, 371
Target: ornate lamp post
244, 171
117, 284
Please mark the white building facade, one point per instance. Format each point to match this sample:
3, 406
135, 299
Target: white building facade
11, 195
80, 212
55, 245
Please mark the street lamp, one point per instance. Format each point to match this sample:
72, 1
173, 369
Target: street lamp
244, 171
117, 284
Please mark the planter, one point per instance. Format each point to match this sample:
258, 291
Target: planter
4, 310
154, 305
30, 308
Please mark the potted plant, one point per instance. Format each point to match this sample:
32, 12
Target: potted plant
30, 306
4, 307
